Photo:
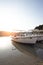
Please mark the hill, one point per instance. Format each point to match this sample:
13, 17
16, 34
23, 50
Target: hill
40, 27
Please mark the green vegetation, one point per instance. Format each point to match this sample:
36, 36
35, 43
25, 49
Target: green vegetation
40, 27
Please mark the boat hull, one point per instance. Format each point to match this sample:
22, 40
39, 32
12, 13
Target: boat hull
40, 38
29, 40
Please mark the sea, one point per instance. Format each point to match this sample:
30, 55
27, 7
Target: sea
12, 53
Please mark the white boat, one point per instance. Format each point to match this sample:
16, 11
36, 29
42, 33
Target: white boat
27, 37
39, 34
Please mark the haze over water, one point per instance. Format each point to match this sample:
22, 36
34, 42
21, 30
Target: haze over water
12, 53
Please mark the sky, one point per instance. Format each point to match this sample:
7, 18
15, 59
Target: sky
20, 14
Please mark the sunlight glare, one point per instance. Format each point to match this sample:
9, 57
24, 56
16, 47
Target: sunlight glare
4, 42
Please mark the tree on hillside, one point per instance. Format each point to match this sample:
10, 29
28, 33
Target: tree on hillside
40, 27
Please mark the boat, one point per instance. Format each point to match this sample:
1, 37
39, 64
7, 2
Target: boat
28, 37
39, 34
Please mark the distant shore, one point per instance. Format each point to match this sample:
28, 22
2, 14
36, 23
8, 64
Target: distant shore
5, 33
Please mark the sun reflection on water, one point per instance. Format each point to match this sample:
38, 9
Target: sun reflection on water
4, 43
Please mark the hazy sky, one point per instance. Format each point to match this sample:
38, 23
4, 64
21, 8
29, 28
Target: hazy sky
20, 14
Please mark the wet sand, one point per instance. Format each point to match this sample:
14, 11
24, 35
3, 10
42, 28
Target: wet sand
12, 53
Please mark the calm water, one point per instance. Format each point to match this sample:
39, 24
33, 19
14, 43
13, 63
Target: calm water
12, 53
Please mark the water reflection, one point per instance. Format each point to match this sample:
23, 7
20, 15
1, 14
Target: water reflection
4, 42
12, 53
35, 50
